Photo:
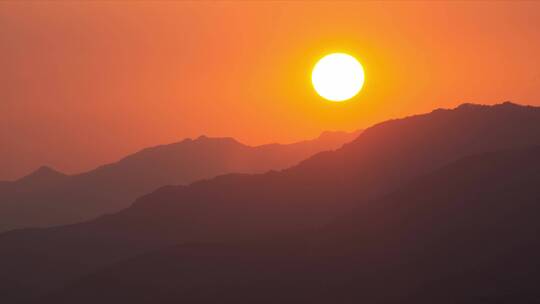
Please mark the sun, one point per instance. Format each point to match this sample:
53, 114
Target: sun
338, 77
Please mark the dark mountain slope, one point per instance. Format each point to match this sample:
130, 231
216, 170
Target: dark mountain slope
47, 198
312, 193
242, 207
466, 233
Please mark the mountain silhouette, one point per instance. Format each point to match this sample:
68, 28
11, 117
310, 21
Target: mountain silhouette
42, 177
236, 208
466, 233
47, 197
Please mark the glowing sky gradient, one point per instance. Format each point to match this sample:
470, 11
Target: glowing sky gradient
83, 83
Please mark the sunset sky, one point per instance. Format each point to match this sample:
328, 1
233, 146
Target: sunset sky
84, 83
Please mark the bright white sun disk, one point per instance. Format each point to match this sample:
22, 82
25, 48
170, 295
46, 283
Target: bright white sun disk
338, 77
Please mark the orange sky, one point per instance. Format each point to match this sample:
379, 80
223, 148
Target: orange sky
83, 83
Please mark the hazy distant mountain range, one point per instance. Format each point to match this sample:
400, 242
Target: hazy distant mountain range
47, 197
434, 208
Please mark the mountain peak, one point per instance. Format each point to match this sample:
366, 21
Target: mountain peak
46, 170
204, 139
470, 105
473, 107
338, 134
509, 103
43, 173
505, 105
330, 133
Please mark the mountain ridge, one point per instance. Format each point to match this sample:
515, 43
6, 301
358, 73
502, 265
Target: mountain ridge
408, 247
47, 197
237, 207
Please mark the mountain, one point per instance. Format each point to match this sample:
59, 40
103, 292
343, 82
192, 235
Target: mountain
239, 207
42, 177
47, 197
465, 233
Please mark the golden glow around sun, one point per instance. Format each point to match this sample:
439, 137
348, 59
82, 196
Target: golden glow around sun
338, 77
